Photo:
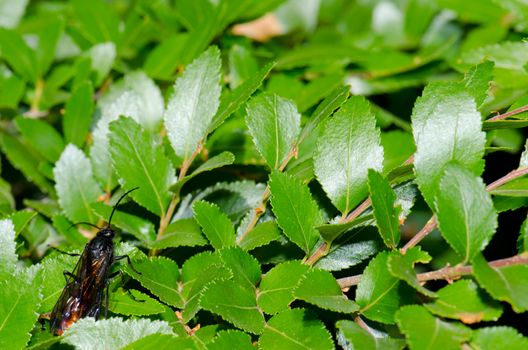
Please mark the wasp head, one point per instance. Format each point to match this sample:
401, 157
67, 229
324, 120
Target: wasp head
106, 232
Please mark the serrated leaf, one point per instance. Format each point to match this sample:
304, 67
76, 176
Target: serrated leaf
515, 188
274, 123
41, 136
508, 283
231, 339
320, 288
277, 286
230, 103
498, 338
102, 57
160, 276
260, 235
8, 257
351, 336
295, 329
296, 212
423, 331
194, 103
522, 240
383, 201
50, 279
194, 279
347, 147
447, 110
245, 268
465, 213
378, 293
184, 232
477, 81
21, 219
18, 301
235, 303
78, 115
343, 256
112, 333
140, 162
215, 224
75, 185
133, 302
463, 300
158, 341
402, 266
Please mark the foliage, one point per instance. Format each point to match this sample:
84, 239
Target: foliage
293, 161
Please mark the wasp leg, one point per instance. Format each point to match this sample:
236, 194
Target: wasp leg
63, 252
121, 257
113, 275
69, 274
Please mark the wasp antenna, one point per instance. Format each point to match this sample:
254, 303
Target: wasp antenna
117, 203
84, 223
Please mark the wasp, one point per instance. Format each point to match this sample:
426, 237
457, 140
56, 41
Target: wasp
87, 285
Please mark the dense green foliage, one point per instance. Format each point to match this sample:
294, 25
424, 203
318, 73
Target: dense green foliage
312, 173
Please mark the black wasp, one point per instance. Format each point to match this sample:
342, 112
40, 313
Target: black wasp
87, 286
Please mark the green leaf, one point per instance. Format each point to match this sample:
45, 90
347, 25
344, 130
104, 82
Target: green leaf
522, 241
383, 198
42, 136
18, 55
21, 219
8, 257
162, 62
160, 276
515, 188
140, 162
195, 281
215, 224
112, 333
343, 256
351, 336
260, 235
378, 293
78, 115
11, 91
230, 103
402, 267
465, 213
329, 232
184, 232
348, 146
245, 268
98, 22
11, 11
139, 304
326, 108
423, 331
18, 302
295, 329
277, 286
498, 338
320, 288
274, 123
158, 341
75, 185
234, 303
463, 300
508, 283
24, 160
477, 81
297, 213
447, 110
231, 339
48, 37
242, 65
194, 103
50, 279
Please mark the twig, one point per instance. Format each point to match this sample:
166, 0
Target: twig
508, 177
445, 273
508, 114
